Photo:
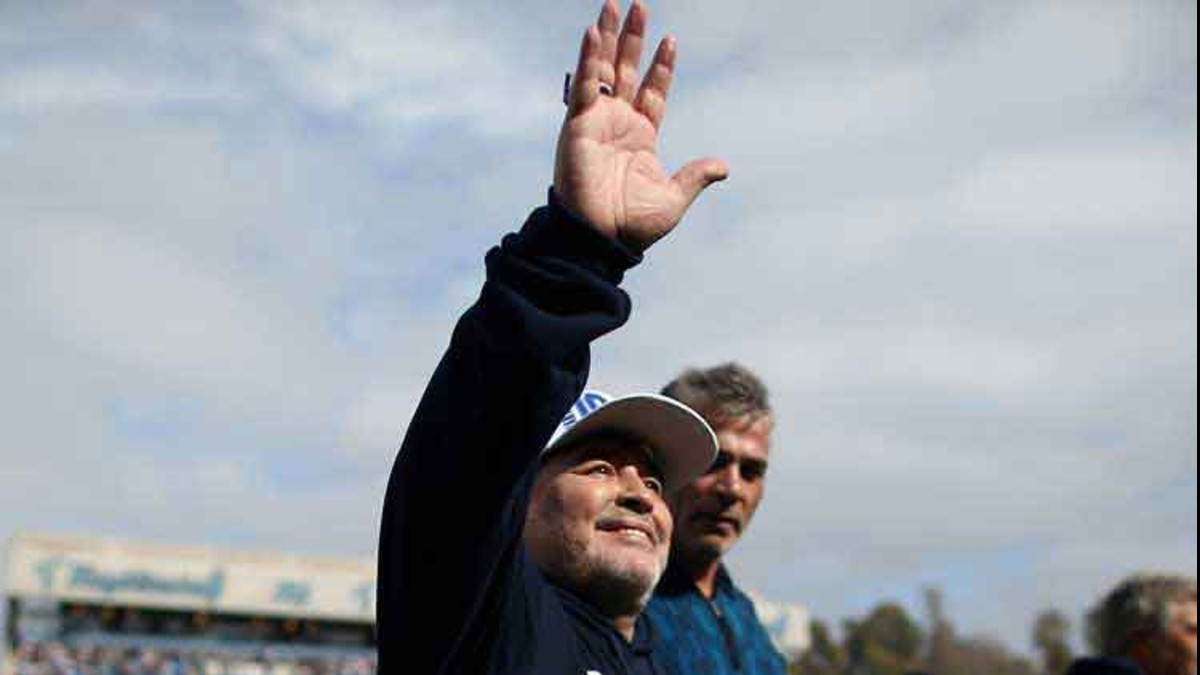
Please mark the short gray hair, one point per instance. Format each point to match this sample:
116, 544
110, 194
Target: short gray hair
721, 394
1141, 605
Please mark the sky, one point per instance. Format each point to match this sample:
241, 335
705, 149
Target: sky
958, 243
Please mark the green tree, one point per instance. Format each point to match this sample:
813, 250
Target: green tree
984, 656
887, 642
940, 655
949, 654
825, 657
1051, 636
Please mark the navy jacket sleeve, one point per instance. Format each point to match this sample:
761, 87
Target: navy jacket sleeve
455, 504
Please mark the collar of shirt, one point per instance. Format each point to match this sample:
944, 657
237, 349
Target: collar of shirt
596, 623
677, 582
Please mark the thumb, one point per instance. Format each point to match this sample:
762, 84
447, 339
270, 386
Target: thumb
698, 175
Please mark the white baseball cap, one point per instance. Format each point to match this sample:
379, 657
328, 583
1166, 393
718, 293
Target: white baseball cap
684, 445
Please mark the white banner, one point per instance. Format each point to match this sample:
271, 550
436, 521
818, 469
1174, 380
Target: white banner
102, 571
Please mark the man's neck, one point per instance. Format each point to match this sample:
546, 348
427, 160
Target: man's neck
705, 575
623, 616
626, 626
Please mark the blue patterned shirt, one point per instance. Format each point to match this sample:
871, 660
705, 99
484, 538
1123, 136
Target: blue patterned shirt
698, 636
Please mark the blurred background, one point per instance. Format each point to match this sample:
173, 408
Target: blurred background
959, 243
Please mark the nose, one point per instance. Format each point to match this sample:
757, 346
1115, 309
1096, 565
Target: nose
635, 495
729, 482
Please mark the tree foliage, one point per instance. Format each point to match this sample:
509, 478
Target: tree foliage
1051, 636
825, 657
940, 655
888, 641
985, 656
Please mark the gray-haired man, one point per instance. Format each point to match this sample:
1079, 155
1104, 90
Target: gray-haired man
1145, 626
709, 623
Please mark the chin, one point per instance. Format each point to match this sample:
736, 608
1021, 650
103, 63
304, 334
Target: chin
628, 581
713, 546
638, 573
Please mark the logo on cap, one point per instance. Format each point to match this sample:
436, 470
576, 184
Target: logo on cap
590, 402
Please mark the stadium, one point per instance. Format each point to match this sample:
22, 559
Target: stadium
92, 605
96, 605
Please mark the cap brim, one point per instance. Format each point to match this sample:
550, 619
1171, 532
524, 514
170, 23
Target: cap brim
684, 445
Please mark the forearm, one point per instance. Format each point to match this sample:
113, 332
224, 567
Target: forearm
518, 359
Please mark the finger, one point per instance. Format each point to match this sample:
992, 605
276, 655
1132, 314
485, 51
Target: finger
652, 97
629, 51
609, 24
585, 85
698, 175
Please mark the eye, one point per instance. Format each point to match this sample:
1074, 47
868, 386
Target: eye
753, 471
654, 485
601, 471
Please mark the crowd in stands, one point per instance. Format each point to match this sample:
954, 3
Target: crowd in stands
60, 659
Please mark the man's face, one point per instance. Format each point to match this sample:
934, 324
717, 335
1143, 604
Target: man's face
714, 510
1175, 653
598, 524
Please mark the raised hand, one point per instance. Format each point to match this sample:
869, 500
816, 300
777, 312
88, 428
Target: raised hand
607, 169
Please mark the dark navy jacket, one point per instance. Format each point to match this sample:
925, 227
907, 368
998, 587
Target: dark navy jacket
457, 593
1104, 667
718, 637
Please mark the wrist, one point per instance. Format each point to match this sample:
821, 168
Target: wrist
556, 232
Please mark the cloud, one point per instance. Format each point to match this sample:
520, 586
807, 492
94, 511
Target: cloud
53, 88
399, 66
1146, 188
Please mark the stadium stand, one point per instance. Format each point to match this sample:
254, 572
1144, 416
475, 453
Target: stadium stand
97, 606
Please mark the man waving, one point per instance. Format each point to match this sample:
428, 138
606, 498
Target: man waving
558, 538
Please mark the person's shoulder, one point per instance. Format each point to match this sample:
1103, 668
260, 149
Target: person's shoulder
664, 607
1104, 667
674, 586
726, 584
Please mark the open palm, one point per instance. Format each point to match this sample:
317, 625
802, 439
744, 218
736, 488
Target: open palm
607, 169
